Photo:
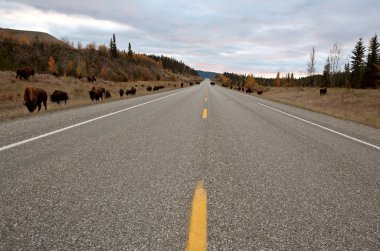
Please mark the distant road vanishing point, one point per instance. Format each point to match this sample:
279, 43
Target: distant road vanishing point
195, 168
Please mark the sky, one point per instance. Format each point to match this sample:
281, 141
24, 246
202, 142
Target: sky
242, 36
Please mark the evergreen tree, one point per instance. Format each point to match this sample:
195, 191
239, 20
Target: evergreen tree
113, 48
130, 52
326, 72
373, 60
357, 65
347, 74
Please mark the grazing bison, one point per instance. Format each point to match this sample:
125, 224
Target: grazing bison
59, 96
132, 91
91, 79
108, 94
156, 88
248, 90
24, 73
33, 97
149, 88
181, 85
191, 83
322, 91
212, 83
197, 83
97, 93
259, 92
121, 92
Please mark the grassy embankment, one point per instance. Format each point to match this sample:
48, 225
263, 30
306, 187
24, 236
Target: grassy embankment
12, 92
358, 105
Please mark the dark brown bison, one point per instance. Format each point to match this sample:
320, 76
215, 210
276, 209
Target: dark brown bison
322, 91
108, 94
121, 92
155, 88
33, 97
259, 92
212, 83
57, 74
191, 83
248, 90
24, 73
59, 96
132, 91
97, 93
181, 85
91, 79
197, 83
149, 88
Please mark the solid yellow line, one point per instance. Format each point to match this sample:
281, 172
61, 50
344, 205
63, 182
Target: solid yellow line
198, 220
204, 115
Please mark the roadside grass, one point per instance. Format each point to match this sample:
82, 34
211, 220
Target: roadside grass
12, 92
358, 105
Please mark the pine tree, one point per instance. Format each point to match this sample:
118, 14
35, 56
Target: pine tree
277, 81
326, 72
357, 65
373, 60
113, 48
130, 52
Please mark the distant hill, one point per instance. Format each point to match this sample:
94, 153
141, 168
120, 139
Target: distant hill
207, 74
31, 36
37, 49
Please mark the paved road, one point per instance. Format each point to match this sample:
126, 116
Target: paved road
126, 181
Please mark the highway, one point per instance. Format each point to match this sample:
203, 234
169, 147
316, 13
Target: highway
124, 175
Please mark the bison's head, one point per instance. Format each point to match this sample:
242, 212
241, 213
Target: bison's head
31, 106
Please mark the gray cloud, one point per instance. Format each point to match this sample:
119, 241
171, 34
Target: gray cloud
246, 36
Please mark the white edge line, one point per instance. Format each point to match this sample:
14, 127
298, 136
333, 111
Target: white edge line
82, 123
317, 125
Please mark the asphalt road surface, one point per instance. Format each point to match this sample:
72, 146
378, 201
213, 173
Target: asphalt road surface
122, 175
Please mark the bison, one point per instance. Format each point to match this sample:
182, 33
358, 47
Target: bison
24, 73
121, 92
97, 93
108, 94
259, 92
181, 85
59, 96
132, 91
248, 90
212, 83
33, 97
149, 88
322, 91
91, 79
57, 74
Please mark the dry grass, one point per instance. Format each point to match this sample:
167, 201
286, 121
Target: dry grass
362, 106
12, 92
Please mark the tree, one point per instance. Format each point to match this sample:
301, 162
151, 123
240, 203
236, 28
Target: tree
326, 72
311, 66
347, 74
113, 47
52, 66
334, 58
357, 65
373, 60
250, 82
277, 81
130, 52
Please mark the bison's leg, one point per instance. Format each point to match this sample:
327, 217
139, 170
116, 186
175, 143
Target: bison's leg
44, 104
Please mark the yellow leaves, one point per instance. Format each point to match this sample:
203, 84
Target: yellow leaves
250, 82
24, 40
51, 64
223, 79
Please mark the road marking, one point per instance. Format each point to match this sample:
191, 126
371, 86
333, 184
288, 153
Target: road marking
83, 123
320, 126
204, 114
198, 220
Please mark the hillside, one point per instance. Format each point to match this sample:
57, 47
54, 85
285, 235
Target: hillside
36, 49
206, 74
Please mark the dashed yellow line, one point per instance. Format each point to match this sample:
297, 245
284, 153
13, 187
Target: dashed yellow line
198, 220
204, 114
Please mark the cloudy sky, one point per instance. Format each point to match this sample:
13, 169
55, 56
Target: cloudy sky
243, 36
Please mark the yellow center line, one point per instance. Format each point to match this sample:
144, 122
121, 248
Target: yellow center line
204, 114
198, 220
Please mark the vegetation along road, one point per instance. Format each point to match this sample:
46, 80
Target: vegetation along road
192, 168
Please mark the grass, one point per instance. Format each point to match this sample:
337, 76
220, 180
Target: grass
12, 92
358, 105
